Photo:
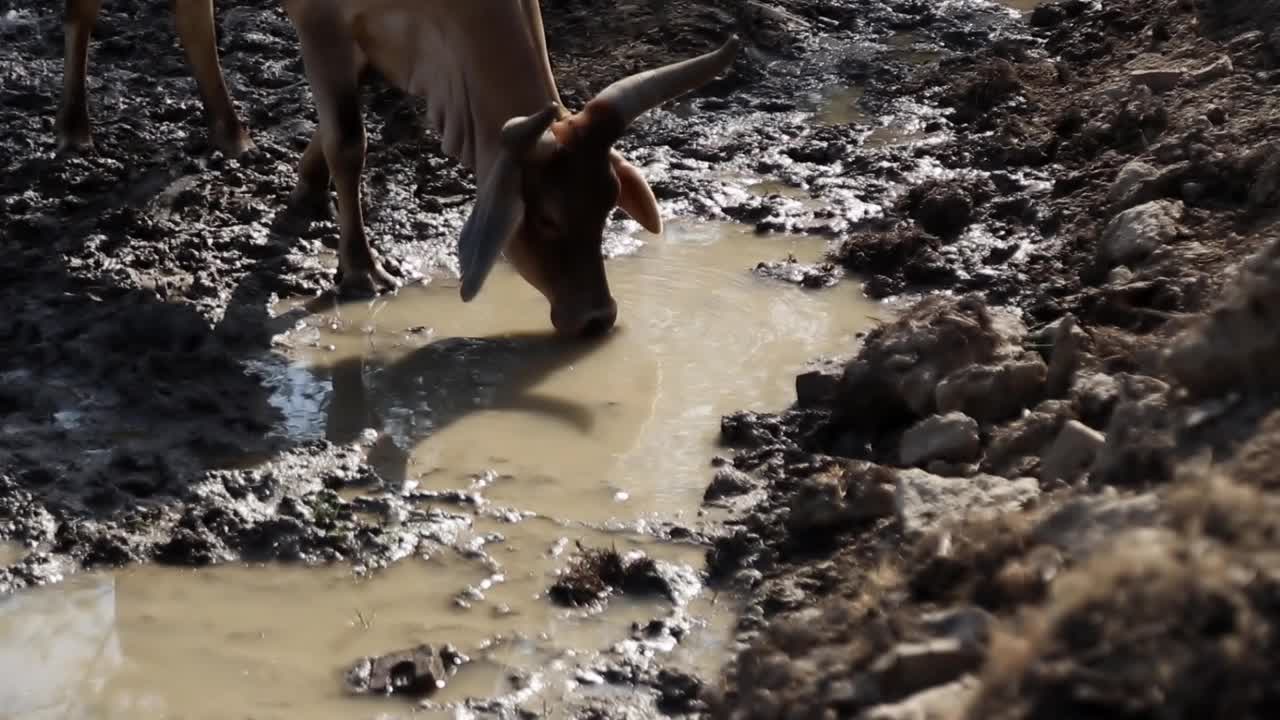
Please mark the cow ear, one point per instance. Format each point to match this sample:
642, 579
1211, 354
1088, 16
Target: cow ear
498, 211
499, 207
635, 197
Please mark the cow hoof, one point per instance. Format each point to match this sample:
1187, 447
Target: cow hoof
74, 142
312, 204
365, 283
233, 144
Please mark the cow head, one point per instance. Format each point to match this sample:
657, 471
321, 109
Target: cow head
556, 179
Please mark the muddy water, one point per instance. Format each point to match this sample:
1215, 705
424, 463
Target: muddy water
248, 642
562, 442
619, 430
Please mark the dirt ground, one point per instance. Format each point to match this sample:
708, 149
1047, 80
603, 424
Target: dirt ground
1045, 492
1050, 494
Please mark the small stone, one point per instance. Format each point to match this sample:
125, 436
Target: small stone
1131, 182
952, 437
970, 625
911, 667
818, 384
1137, 232
1220, 68
416, 671
728, 481
1158, 80
1064, 358
1216, 115
1074, 450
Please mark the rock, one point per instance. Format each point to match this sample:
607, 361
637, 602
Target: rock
1064, 357
945, 702
1159, 80
993, 393
924, 501
1132, 182
1082, 525
1074, 450
1095, 394
1137, 232
818, 384
952, 437
1215, 70
728, 481
911, 667
417, 671
970, 625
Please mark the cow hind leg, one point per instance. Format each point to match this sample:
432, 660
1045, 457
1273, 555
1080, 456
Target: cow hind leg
72, 127
310, 196
332, 64
196, 29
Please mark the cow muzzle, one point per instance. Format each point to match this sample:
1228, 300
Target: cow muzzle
585, 321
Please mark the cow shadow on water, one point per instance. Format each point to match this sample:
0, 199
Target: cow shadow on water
410, 398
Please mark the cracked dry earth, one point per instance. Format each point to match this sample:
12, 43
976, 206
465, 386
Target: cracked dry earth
1042, 487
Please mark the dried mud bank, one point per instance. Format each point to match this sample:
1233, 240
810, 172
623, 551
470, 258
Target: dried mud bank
1050, 493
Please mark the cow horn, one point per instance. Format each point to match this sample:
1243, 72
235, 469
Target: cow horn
633, 96
499, 205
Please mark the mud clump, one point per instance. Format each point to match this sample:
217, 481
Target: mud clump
416, 672
1161, 624
594, 574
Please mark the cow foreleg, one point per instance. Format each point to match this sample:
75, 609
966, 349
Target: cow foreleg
333, 69
196, 29
73, 115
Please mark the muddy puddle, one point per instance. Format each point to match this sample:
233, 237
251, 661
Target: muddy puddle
552, 443
618, 430
272, 642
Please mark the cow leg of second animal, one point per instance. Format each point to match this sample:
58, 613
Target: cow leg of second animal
332, 62
73, 115
310, 196
196, 28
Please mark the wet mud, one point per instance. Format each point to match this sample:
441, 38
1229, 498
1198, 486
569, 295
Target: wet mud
1061, 459
1041, 492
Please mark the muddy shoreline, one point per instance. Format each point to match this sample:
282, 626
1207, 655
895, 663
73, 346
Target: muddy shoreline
1104, 165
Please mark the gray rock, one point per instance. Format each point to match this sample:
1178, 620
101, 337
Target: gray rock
990, 393
924, 501
1072, 452
1064, 358
1082, 525
1095, 394
972, 626
952, 438
1215, 70
1131, 183
1159, 80
1137, 232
